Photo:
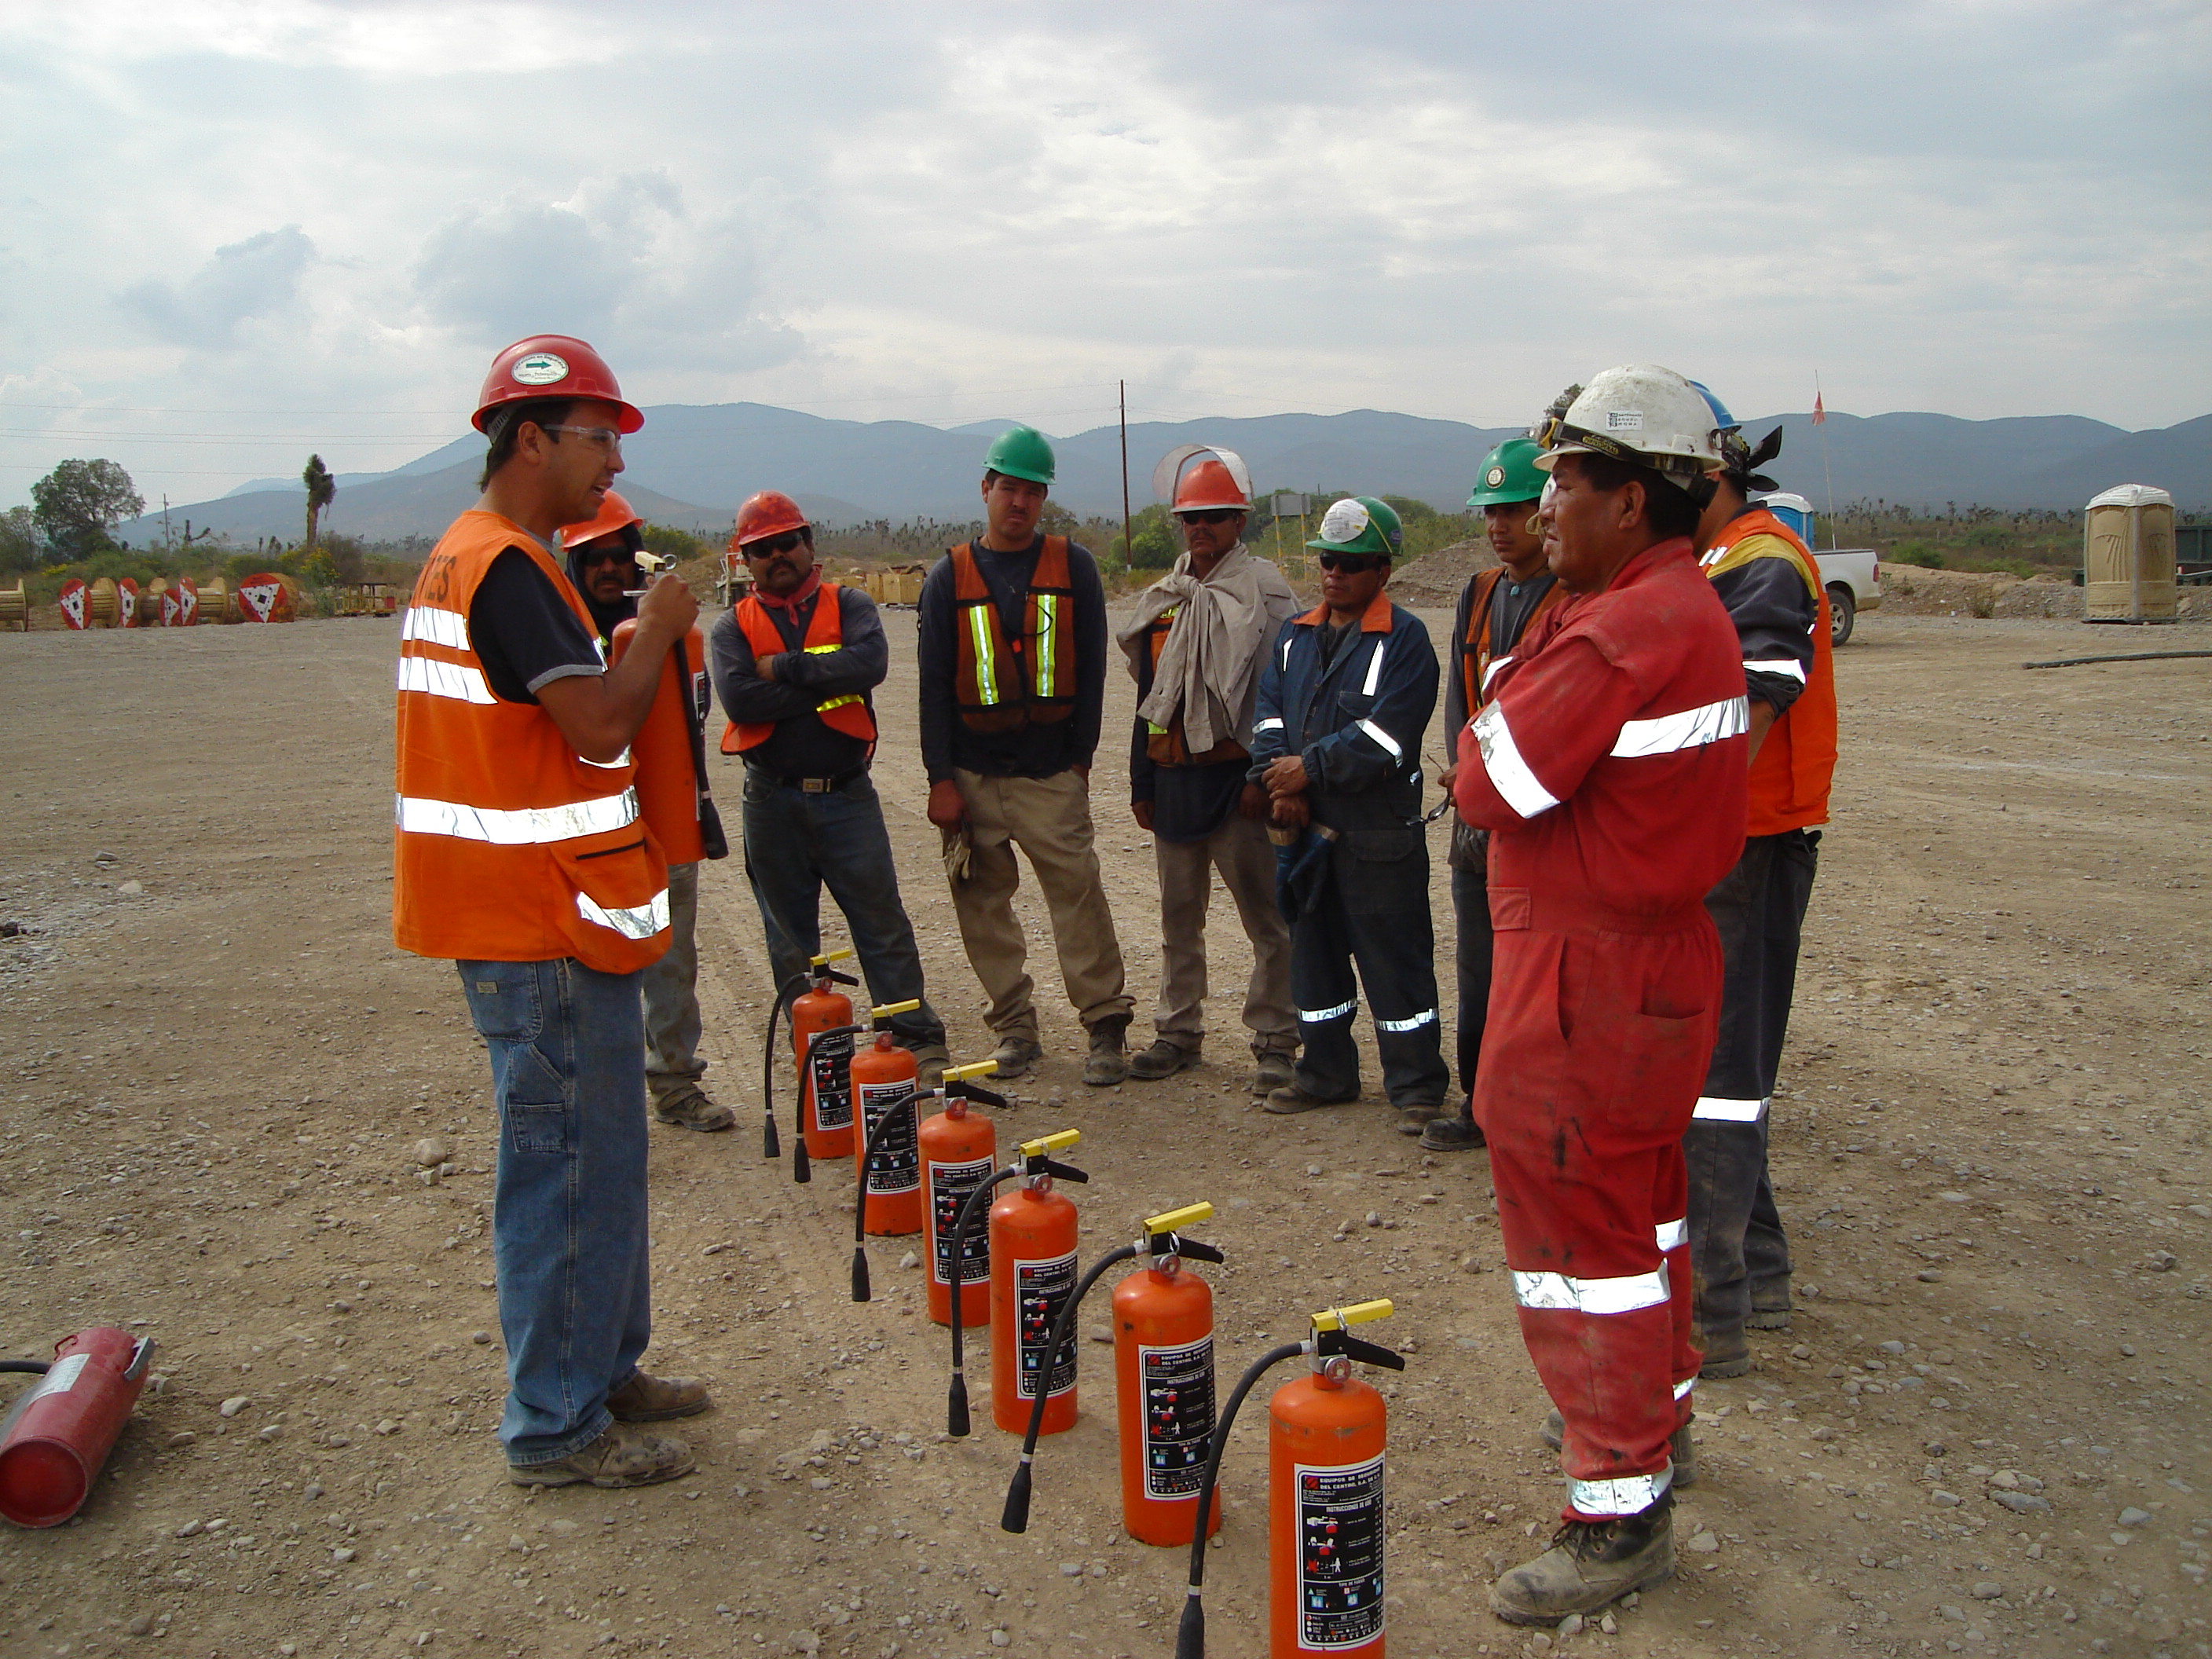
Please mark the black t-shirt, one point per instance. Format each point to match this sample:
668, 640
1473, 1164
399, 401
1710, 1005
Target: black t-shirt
523, 632
1333, 633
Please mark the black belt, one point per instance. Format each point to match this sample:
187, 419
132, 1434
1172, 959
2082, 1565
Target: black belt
808, 786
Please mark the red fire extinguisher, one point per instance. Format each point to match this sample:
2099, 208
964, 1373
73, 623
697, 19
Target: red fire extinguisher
959, 1151
955, 1085
887, 1159
1164, 1377
1325, 1520
55, 1439
825, 1079
1032, 1274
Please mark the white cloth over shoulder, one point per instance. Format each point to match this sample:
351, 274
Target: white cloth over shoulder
1210, 665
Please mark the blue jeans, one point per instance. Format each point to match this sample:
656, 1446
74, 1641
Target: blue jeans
568, 1232
797, 844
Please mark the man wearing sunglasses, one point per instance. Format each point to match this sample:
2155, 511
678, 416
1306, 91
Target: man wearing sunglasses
1344, 699
1194, 647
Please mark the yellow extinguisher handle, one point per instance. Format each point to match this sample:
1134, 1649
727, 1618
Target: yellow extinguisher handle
1060, 1142
890, 1008
1339, 1319
828, 956
1170, 1221
973, 1068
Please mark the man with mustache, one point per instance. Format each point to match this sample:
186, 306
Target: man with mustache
794, 663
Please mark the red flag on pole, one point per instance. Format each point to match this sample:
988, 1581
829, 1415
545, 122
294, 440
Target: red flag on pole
1820, 410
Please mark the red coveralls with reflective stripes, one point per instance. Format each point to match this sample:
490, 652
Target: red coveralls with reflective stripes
1610, 767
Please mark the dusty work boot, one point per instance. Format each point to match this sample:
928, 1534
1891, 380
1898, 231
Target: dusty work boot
1277, 1070
1727, 1353
1590, 1564
1454, 1132
1412, 1120
1291, 1098
622, 1457
690, 1107
1682, 1448
647, 1399
1161, 1059
1016, 1053
1769, 1306
1107, 1065
930, 1060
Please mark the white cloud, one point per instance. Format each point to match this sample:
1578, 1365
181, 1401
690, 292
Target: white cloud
245, 281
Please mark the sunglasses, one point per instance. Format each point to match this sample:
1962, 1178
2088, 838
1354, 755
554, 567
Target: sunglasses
1209, 516
588, 556
1351, 564
773, 544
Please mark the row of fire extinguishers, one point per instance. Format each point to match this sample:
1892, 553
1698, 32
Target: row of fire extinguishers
915, 1173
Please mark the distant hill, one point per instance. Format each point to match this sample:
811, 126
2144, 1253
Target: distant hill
693, 463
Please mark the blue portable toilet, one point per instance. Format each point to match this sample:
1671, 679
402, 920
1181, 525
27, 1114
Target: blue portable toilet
1793, 510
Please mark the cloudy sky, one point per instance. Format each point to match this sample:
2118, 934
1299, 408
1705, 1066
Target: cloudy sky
237, 229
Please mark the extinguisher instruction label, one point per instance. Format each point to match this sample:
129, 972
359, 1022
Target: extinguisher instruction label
1178, 1385
829, 1070
1340, 1554
896, 1165
60, 1379
1041, 1289
949, 1186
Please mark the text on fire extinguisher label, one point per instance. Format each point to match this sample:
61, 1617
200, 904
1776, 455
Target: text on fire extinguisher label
1340, 1554
950, 1184
1178, 1385
1041, 1288
896, 1165
829, 1072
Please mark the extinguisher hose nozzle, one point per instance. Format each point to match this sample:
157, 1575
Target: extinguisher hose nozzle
771, 1144
785, 992
802, 1167
956, 1407
1190, 1634
1190, 1637
1055, 1340
1015, 1515
860, 1273
955, 1415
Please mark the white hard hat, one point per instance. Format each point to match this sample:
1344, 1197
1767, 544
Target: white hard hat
1638, 412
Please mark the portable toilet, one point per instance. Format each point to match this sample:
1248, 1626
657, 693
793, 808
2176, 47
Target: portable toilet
1793, 510
2127, 556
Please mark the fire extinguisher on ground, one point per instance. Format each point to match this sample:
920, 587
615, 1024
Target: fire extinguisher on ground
822, 1040
1325, 1523
57, 1436
894, 1123
886, 1159
1034, 1161
1164, 1378
959, 1150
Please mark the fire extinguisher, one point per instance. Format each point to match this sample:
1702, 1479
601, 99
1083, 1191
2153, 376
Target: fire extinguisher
959, 1151
1032, 1231
887, 1162
955, 1083
1325, 1523
825, 1078
56, 1437
1164, 1377
1034, 1161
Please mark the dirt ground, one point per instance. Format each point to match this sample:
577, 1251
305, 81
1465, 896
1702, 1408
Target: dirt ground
1990, 1145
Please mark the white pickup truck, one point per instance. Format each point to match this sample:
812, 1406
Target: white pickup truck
1852, 575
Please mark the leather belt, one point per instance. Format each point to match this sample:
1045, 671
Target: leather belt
810, 785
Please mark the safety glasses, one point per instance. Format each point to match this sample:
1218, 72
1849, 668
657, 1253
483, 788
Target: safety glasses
1209, 516
773, 544
1351, 564
604, 436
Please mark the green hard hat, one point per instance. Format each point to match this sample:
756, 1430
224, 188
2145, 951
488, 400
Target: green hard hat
1360, 524
1021, 452
1510, 474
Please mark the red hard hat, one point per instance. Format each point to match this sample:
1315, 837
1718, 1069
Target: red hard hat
614, 513
1208, 485
770, 513
552, 366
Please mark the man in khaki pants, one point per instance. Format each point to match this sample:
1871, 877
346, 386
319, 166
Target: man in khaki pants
1194, 647
1012, 659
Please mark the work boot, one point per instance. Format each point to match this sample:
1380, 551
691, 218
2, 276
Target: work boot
1769, 1306
1163, 1059
1454, 1132
1291, 1098
1682, 1447
1590, 1564
930, 1060
1412, 1120
690, 1107
1016, 1053
622, 1456
1107, 1065
645, 1399
1726, 1353
1278, 1069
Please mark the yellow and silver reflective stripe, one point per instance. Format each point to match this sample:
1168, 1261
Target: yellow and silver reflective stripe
986, 668
1509, 773
636, 921
447, 628
1557, 1292
1631, 1494
836, 702
1789, 666
436, 678
824, 706
1426, 1016
1672, 1235
1382, 738
1716, 1108
1316, 1016
1374, 670
1692, 728
1048, 606
525, 826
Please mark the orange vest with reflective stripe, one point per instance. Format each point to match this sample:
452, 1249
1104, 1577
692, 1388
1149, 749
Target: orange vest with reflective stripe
825, 632
507, 845
1796, 760
667, 787
1164, 745
1474, 661
1001, 683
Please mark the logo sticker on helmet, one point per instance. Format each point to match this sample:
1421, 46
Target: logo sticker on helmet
1494, 477
1343, 521
1623, 420
540, 369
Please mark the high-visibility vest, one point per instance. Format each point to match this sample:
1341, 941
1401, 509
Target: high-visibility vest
825, 632
508, 846
667, 786
1164, 745
1796, 760
1002, 683
1481, 649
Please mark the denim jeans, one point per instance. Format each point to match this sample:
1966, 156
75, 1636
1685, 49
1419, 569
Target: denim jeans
568, 1232
796, 843
673, 1065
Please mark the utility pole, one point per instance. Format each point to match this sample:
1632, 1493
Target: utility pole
168, 541
1128, 543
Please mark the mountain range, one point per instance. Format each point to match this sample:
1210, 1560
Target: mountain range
692, 463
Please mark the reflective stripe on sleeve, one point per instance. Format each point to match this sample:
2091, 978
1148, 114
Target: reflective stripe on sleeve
637, 921
1509, 773
1631, 1494
1558, 1292
525, 826
1426, 1016
1316, 1016
987, 677
1382, 738
447, 628
1789, 666
437, 678
1692, 728
1273, 723
1374, 670
1685, 1386
1672, 1235
1712, 1108
1048, 606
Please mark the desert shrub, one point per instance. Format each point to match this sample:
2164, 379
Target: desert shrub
1924, 554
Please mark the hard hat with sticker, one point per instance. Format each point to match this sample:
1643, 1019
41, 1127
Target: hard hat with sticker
1623, 420
1360, 524
540, 369
1495, 477
1344, 520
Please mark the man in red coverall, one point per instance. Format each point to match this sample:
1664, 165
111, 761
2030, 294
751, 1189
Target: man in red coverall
1609, 769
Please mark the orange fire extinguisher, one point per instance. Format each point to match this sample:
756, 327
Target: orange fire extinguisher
887, 1161
1325, 1521
1164, 1378
1034, 1161
1032, 1275
825, 1078
885, 1128
959, 1151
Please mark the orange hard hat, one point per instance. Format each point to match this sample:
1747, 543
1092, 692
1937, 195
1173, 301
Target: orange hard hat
770, 513
1208, 485
1219, 480
615, 514
551, 366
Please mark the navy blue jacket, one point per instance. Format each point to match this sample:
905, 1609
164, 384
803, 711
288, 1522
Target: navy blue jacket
1357, 725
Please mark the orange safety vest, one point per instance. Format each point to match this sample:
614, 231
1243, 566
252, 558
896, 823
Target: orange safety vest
507, 845
1164, 745
667, 787
825, 632
1029, 680
1474, 660
1796, 760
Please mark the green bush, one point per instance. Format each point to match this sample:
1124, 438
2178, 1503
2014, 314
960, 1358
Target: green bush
1924, 554
670, 542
